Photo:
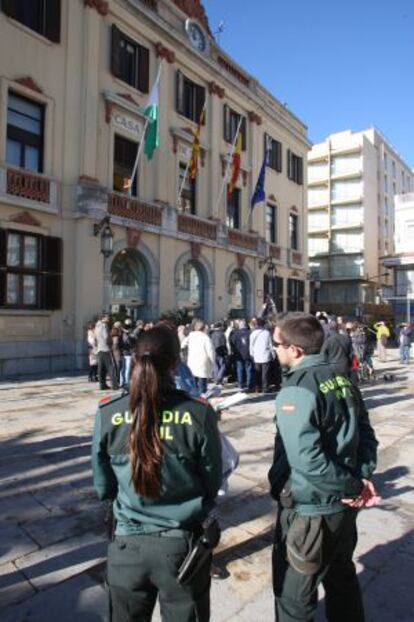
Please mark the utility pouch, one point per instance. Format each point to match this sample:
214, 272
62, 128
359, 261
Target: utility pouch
285, 496
200, 552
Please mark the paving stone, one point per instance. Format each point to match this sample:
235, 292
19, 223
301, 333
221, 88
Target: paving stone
79, 599
59, 526
14, 586
14, 543
21, 508
67, 497
60, 561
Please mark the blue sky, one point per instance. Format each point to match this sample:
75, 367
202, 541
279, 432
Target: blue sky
338, 64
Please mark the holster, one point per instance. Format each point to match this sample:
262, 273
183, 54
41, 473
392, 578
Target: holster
285, 496
199, 552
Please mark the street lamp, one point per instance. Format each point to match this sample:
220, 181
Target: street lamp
107, 237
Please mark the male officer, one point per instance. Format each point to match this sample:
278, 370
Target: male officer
325, 453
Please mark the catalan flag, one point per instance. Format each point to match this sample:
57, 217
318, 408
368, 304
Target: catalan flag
235, 168
196, 147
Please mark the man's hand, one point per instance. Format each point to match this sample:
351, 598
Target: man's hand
367, 499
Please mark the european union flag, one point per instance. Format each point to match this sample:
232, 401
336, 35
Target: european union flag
259, 194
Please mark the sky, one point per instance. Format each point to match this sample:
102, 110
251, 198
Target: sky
338, 64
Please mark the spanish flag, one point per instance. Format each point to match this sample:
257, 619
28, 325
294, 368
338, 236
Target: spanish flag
235, 167
196, 147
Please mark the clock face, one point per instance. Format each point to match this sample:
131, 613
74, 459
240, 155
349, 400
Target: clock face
196, 36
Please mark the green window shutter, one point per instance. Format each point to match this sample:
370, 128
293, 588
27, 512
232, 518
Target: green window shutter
115, 51
51, 284
52, 20
143, 69
179, 92
278, 156
226, 123
9, 7
200, 99
243, 129
3, 255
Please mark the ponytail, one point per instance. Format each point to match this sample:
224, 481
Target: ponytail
156, 353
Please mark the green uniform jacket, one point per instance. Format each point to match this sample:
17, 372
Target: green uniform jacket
324, 443
191, 470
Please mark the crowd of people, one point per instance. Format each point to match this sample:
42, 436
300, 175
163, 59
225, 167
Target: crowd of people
239, 351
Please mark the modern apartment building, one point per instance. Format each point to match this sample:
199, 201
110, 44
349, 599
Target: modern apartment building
75, 77
353, 178
401, 261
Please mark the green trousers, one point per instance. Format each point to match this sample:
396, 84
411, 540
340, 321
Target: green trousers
296, 595
140, 568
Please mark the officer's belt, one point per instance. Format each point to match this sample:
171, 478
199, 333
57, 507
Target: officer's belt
171, 533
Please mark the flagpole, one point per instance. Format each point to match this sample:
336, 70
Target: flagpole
142, 142
216, 209
189, 160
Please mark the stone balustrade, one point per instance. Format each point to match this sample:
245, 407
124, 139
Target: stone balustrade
127, 207
26, 185
197, 226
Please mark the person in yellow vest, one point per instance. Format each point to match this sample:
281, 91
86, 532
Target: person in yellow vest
383, 334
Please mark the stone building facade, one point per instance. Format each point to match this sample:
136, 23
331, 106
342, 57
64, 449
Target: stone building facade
75, 78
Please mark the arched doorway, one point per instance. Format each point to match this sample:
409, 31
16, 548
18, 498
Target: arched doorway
129, 284
237, 295
190, 285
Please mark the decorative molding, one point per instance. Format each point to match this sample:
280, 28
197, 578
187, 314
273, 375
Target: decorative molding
29, 83
100, 5
151, 4
195, 250
216, 89
164, 52
223, 62
128, 98
133, 237
255, 118
25, 218
240, 260
86, 179
194, 8
108, 111
193, 225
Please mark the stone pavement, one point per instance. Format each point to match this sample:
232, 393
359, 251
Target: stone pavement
52, 540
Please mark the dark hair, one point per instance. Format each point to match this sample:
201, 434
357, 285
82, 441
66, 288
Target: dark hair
157, 351
302, 330
260, 322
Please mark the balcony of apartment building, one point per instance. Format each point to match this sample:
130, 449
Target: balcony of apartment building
318, 172
346, 191
346, 166
29, 190
318, 196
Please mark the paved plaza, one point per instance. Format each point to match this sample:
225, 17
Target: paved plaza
52, 534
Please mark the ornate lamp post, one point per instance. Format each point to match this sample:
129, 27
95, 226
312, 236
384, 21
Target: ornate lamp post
107, 237
271, 271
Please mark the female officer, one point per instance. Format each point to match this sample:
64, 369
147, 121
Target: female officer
157, 454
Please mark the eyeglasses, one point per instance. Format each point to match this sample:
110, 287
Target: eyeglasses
279, 344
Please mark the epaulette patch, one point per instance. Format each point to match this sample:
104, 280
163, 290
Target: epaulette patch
108, 399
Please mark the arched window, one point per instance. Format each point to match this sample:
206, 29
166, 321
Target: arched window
128, 278
190, 288
237, 295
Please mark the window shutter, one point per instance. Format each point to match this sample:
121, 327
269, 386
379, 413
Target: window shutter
301, 295
52, 21
179, 92
300, 171
3, 255
115, 51
265, 149
279, 294
52, 254
278, 156
143, 69
9, 7
226, 123
243, 133
200, 99
51, 284
51, 292
265, 286
289, 164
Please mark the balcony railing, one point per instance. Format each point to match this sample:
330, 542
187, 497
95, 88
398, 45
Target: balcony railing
125, 207
196, 226
244, 240
28, 186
